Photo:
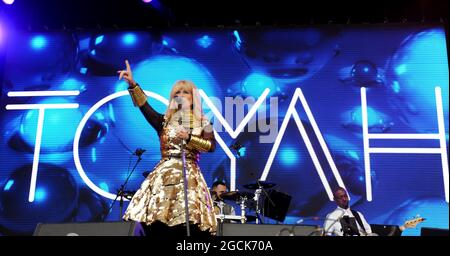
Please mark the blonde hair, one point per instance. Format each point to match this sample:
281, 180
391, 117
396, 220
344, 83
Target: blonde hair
196, 101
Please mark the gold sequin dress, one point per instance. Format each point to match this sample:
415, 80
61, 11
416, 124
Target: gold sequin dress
161, 195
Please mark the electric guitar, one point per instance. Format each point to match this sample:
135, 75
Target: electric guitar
408, 224
411, 223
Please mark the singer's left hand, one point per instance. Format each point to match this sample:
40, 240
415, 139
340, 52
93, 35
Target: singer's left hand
182, 133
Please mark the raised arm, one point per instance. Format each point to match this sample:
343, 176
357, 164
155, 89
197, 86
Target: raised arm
140, 99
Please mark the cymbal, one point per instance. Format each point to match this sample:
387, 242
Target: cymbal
236, 195
262, 184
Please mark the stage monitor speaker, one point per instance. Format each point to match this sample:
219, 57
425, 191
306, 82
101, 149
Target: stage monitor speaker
385, 230
276, 205
433, 232
90, 229
236, 229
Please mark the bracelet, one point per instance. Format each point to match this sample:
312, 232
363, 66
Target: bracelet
199, 144
138, 96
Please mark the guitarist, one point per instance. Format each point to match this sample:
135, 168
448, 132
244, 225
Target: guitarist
343, 221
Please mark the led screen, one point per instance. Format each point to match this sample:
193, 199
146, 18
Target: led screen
305, 108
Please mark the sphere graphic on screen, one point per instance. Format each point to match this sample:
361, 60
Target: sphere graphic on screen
55, 198
42, 56
416, 68
108, 51
285, 55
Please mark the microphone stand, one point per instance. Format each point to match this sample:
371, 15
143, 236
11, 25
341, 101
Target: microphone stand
185, 183
121, 191
183, 172
334, 222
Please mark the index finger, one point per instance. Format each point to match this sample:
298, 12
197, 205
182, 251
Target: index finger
128, 65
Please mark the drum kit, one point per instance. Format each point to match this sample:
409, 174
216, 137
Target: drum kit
244, 200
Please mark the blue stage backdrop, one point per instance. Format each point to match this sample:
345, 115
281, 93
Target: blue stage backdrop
306, 108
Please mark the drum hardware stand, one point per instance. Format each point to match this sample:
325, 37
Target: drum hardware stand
243, 218
222, 216
257, 196
120, 192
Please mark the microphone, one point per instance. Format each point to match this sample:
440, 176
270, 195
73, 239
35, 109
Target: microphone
179, 101
139, 152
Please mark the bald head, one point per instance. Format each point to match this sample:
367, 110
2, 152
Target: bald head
341, 197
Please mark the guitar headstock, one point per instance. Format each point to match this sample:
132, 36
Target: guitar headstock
413, 223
